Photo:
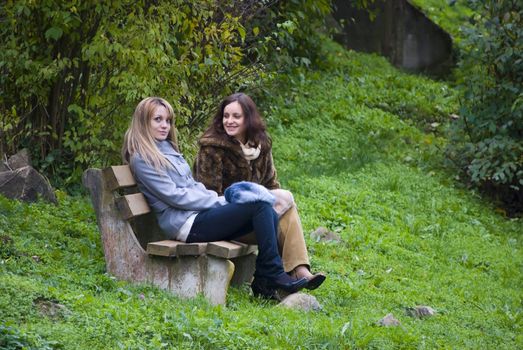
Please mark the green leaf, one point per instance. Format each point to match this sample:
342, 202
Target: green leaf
241, 30
54, 33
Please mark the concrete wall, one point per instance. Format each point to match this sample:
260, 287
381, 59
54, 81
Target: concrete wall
400, 32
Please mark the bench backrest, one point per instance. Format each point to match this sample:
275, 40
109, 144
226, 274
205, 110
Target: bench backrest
131, 204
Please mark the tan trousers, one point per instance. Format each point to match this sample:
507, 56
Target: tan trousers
291, 242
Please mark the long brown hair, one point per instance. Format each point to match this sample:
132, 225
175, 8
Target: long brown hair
255, 132
139, 139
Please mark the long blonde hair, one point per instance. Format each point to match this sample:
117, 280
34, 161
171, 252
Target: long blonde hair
139, 139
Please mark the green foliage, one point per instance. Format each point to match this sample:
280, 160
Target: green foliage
488, 138
73, 71
12, 339
289, 31
451, 15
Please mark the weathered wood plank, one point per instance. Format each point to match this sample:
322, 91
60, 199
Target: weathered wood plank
132, 205
191, 249
163, 248
175, 248
228, 250
118, 176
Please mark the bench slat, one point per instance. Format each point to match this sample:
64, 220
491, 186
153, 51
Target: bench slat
118, 176
229, 250
132, 205
191, 249
175, 248
163, 248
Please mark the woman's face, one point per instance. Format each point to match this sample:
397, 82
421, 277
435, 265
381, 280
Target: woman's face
160, 123
234, 121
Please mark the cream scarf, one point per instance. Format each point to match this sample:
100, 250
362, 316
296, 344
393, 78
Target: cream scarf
250, 153
284, 199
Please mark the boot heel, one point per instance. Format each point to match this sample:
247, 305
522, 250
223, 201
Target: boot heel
260, 289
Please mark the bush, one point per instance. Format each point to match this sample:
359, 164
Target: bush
71, 72
488, 138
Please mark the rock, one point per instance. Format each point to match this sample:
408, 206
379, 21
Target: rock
420, 311
50, 308
17, 161
323, 234
389, 321
26, 184
301, 301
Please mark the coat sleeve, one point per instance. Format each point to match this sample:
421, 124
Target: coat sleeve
208, 168
269, 179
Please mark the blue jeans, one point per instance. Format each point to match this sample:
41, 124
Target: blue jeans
235, 220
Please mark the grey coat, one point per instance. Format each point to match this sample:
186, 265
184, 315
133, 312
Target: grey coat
173, 194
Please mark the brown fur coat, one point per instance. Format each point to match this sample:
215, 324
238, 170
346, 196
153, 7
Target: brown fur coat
220, 163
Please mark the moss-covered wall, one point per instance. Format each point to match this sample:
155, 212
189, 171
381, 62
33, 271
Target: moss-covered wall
398, 31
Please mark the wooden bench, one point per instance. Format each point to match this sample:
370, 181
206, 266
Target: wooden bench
135, 249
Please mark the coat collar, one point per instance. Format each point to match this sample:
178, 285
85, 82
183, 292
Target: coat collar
166, 148
226, 143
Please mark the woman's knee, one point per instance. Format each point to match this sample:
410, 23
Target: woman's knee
261, 206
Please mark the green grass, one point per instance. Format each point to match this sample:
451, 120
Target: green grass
351, 143
449, 17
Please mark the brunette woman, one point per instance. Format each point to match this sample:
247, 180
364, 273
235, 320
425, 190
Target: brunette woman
236, 147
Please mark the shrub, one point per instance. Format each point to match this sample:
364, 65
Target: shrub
488, 138
71, 72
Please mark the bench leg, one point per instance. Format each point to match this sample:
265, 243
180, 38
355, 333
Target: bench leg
217, 278
244, 269
188, 276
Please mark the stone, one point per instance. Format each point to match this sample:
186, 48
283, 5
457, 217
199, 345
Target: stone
322, 234
3, 166
17, 161
389, 321
50, 308
26, 184
420, 311
301, 301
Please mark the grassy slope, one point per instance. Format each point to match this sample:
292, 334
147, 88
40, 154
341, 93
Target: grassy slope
346, 146
448, 17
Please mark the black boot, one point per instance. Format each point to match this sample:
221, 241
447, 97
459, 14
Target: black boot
260, 289
287, 283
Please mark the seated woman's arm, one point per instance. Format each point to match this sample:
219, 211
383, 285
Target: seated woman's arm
158, 185
269, 177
